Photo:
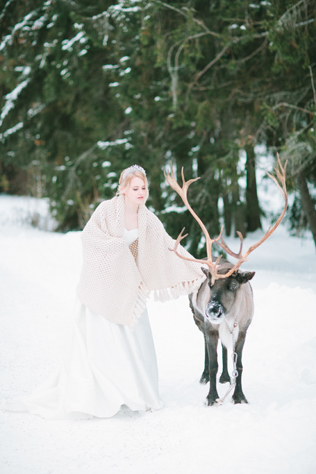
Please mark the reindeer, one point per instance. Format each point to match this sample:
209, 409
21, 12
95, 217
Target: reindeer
223, 306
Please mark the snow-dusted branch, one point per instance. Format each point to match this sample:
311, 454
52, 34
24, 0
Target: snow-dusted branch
11, 98
290, 18
9, 38
286, 15
10, 131
4, 9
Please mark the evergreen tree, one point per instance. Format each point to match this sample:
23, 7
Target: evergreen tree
92, 87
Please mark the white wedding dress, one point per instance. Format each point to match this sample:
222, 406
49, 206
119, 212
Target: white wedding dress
104, 366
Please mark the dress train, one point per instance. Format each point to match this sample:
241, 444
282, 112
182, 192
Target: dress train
103, 367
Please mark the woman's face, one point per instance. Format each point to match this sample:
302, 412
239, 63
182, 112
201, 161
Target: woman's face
136, 192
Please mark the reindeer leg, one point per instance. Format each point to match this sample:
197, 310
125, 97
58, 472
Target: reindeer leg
225, 375
205, 377
211, 342
238, 396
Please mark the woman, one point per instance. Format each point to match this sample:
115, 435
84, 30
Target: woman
109, 359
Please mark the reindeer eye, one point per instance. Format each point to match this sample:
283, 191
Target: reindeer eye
233, 286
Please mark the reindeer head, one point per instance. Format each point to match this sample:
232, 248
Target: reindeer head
223, 292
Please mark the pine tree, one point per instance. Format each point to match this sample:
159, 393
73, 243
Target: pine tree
92, 87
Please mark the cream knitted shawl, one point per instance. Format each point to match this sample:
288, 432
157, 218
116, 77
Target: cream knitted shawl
112, 284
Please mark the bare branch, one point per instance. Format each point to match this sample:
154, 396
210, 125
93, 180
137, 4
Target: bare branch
171, 7
312, 81
199, 22
261, 47
290, 106
72, 171
176, 62
217, 58
174, 76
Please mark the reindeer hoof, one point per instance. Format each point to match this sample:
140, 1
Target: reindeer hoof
204, 379
214, 400
242, 399
211, 403
224, 378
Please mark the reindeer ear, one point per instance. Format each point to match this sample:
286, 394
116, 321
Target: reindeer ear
243, 277
206, 272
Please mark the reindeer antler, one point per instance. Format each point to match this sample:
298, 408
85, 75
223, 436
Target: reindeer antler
213, 267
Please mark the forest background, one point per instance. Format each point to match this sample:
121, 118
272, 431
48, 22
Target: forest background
90, 87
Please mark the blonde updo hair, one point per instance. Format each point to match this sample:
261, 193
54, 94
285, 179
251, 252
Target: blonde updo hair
125, 183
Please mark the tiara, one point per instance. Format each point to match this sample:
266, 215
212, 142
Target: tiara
133, 169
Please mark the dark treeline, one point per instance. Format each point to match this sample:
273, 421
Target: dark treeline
90, 87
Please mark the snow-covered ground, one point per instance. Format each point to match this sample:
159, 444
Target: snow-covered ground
275, 433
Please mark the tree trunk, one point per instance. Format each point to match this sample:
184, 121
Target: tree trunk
253, 209
227, 215
308, 204
239, 215
239, 211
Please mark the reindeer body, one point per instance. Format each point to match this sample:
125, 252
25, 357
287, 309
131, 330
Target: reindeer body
216, 309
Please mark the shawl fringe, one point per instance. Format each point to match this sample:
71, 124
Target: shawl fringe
140, 304
183, 288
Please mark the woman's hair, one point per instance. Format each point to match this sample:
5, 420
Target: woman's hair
125, 183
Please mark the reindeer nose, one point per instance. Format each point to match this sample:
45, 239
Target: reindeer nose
214, 310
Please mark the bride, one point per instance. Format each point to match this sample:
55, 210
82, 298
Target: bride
109, 357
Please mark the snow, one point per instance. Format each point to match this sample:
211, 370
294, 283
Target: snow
18, 214
39, 23
275, 433
33, 111
119, 141
11, 130
11, 98
174, 208
25, 70
105, 164
83, 52
115, 9
125, 71
109, 66
19, 26
68, 44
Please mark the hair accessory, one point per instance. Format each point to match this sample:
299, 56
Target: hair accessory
132, 169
